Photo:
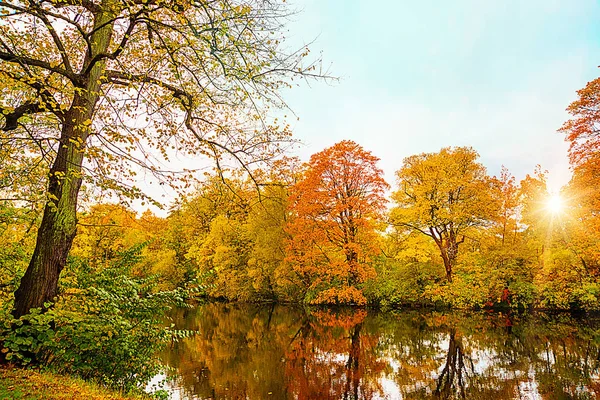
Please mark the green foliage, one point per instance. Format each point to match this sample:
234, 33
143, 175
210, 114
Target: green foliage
565, 284
105, 325
401, 283
17, 237
412, 275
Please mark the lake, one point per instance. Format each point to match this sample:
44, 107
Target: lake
246, 351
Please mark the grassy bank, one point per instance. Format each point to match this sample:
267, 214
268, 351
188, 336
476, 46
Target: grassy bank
16, 383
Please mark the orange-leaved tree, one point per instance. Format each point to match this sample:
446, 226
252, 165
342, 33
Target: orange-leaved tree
583, 134
583, 130
336, 206
583, 191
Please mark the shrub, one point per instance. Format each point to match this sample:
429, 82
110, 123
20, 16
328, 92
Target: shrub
105, 325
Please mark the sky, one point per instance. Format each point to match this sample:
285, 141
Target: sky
416, 76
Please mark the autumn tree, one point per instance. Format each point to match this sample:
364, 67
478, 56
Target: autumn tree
101, 89
265, 227
216, 240
551, 243
508, 203
336, 206
583, 129
105, 231
583, 134
233, 231
445, 196
533, 197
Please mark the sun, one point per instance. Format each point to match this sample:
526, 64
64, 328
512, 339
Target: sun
555, 204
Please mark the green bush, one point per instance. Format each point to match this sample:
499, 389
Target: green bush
400, 283
105, 325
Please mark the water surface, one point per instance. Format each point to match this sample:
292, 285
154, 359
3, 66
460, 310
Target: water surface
262, 352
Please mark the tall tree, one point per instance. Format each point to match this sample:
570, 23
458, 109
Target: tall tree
508, 202
104, 88
444, 196
583, 134
265, 226
533, 197
583, 129
336, 206
583, 192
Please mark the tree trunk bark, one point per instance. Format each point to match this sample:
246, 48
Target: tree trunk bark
448, 261
55, 236
56, 233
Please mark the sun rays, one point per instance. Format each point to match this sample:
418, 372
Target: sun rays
555, 204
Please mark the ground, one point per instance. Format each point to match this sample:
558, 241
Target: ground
25, 384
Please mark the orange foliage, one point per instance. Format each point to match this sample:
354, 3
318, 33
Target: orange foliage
583, 130
335, 360
583, 134
345, 318
335, 208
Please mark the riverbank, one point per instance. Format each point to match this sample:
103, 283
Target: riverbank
26, 384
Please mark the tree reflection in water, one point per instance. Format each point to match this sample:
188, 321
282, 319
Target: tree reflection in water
277, 352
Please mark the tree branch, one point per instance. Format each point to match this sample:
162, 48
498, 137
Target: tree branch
133, 21
50, 103
11, 119
56, 39
11, 57
122, 78
87, 4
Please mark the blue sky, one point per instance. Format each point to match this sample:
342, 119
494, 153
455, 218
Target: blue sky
420, 75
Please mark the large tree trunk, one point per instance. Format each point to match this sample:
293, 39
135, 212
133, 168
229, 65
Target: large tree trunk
56, 232
59, 222
447, 263
448, 246
449, 251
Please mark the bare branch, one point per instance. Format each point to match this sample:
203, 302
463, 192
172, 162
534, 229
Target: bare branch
123, 78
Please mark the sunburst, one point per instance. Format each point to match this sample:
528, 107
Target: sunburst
555, 204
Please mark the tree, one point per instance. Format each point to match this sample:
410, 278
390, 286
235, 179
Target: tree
443, 195
265, 227
216, 217
236, 232
583, 133
103, 88
583, 130
533, 196
508, 203
105, 231
336, 206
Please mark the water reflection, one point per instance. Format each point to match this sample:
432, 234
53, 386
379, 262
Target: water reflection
262, 352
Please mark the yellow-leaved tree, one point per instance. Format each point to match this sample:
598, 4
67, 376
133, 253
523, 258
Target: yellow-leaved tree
103, 88
445, 196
